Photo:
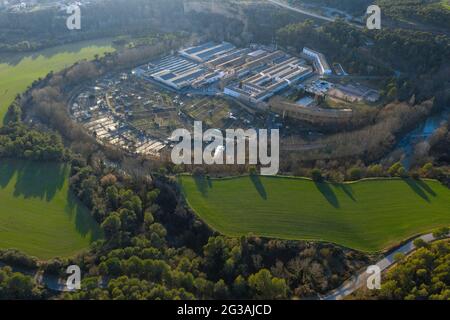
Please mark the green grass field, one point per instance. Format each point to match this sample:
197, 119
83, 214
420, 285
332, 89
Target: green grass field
445, 4
17, 72
38, 214
369, 215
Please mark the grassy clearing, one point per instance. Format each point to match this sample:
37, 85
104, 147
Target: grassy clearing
38, 214
445, 4
17, 72
369, 215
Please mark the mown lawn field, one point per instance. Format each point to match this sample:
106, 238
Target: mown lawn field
17, 71
38, 214
370, 215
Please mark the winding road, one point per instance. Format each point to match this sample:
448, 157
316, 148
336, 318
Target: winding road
308, 13
360, 280
402, 24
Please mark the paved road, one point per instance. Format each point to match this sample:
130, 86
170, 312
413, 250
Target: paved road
386, 22
360, 280
308, 13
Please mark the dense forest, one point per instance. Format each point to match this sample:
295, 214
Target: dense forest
28, 31
422, 57
250, 21
18, 141
433, 12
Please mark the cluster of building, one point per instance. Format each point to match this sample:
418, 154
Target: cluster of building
251, 74
188, 69
319, 87
34, 5
102, 122
302, 110
352, 93
267, 74
125, 111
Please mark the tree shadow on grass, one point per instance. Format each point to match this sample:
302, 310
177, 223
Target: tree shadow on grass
328, 193
7, 170
258, 186
203, 184
415, 186
39, 179
426, 187
348, 190
209, 183
84, 222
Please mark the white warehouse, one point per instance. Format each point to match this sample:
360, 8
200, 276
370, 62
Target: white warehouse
319, 60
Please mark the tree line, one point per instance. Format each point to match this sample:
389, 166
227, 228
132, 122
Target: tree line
18, 141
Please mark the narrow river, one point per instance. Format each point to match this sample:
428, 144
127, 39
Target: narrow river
421, 133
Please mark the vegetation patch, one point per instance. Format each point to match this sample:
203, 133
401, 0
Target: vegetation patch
38, 213
369, 215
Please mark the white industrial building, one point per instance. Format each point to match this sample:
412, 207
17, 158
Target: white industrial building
319, 60
255, 74
207, 51
269, 79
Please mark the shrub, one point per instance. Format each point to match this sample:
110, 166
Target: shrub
17, 258
355, 174
399, 256
441, 232
375, 170
427, 170
420, 243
